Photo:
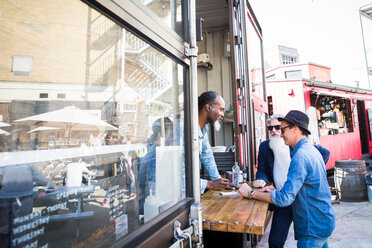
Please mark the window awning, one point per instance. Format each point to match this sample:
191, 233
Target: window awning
329, 89
329, 92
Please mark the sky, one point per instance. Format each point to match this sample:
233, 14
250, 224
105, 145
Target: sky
325, 32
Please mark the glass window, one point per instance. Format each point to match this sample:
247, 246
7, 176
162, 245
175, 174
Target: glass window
254, 59
170, 12
21, 66
334, 114
288, 60
296, 74
91, 142
259, 129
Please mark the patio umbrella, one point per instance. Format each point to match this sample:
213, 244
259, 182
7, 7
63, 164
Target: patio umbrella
43, 128
67, 118
3, 124
3, 132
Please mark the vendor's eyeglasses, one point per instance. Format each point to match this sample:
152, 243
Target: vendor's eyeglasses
277, 127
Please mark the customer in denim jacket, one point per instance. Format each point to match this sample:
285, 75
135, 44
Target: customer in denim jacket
306, 187
273, 163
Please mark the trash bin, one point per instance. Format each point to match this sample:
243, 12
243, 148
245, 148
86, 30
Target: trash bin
369, 186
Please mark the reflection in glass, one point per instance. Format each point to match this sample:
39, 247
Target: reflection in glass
169, 12
260, 129
254, 60
92, 134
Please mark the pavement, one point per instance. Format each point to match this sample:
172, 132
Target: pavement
353, 227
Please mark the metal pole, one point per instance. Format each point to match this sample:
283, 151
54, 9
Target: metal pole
193, 53
239, 66
248, 114
194, 104
364, 45
247, 99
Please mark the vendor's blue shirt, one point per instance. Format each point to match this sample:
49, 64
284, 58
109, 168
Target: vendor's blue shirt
308, 191
148, 163
207, 158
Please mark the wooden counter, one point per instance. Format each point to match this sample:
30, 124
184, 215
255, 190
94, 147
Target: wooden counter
233, 213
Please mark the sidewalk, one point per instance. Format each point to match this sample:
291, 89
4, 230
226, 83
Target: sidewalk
353, 227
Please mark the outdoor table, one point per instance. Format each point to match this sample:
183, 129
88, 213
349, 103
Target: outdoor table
233, 214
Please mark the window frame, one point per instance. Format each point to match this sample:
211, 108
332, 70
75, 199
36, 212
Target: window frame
19, 62
143, 23
146, 25
287, 59
289, 74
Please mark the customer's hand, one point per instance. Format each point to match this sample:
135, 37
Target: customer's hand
259, 183
267, 189
234, 186
244, 190
220, 184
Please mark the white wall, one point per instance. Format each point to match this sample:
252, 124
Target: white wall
218, 79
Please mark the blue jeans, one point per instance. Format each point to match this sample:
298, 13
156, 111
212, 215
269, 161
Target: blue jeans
132, 181
282, 219
312, 242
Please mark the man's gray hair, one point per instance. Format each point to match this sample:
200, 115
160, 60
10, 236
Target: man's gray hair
274, 117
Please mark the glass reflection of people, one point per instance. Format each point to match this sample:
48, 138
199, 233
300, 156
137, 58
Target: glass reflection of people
147, 168
96, 140
109, 139
125, 168
126, 162
211, 108
74, 173
35, 143
91, 140
100, 140
15, 143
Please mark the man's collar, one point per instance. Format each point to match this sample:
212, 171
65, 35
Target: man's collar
203, 131
299, 144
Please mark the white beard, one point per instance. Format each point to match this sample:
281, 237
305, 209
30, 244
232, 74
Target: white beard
217, 126
282, 159
276, 143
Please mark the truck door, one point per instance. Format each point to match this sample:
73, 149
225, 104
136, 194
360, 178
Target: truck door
248, 83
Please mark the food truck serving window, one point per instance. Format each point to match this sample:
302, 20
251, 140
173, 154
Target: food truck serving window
99, 163
334, 114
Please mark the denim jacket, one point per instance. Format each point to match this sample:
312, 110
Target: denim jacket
308, 191
265, 167
207, 158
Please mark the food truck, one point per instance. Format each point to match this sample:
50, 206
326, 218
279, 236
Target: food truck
340, 116
98, 108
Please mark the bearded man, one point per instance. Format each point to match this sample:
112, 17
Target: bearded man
273, 162
211, 107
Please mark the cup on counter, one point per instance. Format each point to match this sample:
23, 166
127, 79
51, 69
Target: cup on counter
229, 176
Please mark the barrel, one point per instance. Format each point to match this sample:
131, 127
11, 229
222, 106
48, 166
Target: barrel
350, 180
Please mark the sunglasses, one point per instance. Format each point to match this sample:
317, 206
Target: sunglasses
277, 127
283, 129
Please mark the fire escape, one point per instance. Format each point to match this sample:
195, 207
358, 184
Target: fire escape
136, 73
